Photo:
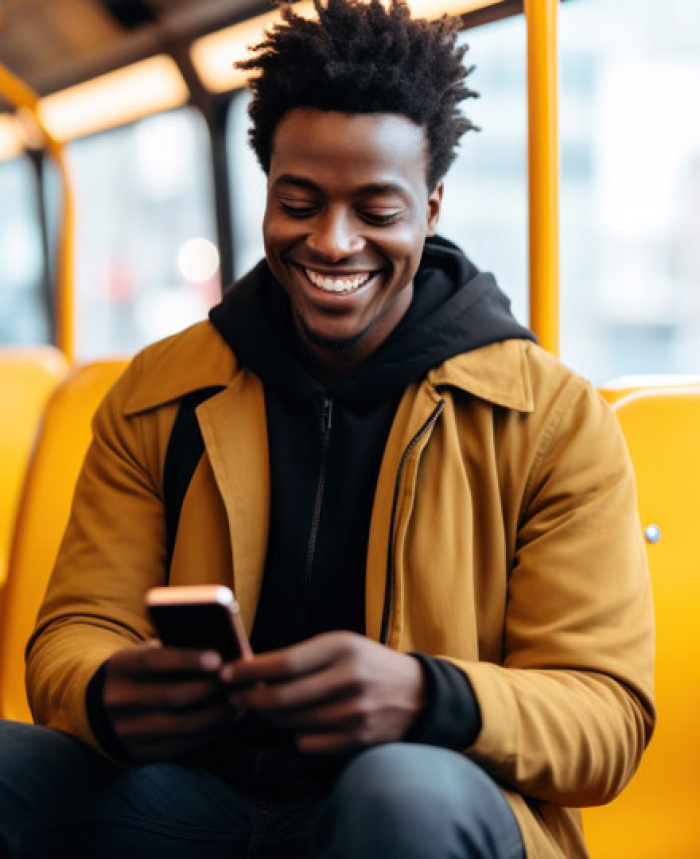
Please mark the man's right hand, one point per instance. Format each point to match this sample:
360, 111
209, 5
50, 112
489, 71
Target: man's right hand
163, 701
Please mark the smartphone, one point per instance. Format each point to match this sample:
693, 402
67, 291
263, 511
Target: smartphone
202, 617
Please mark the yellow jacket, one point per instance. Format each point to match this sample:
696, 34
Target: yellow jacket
504, 537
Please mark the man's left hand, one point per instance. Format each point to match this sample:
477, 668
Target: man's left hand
336, 692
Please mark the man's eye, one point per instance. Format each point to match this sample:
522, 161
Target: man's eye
298, 210
380, 219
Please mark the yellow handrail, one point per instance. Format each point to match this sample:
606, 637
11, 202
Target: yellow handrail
22, 96
543, 168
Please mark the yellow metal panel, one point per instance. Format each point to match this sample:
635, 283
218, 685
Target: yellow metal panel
11, 144
656, 816
42, 517
543, 166
27, 377
23, 97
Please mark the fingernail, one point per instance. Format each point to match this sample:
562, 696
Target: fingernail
210, 661
227, 673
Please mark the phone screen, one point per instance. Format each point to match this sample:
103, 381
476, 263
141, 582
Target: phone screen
201, 626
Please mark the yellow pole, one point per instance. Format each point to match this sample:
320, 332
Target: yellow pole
543, 165
21, 95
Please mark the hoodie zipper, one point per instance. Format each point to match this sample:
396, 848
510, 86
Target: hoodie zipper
391, 561
326, 423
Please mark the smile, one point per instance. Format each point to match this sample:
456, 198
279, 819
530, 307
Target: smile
342, 285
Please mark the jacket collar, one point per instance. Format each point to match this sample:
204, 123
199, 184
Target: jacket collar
193, 359
199, 358
498, 373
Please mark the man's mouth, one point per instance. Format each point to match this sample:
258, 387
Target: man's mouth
337, 284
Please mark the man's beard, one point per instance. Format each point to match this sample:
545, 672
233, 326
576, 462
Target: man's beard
333, 345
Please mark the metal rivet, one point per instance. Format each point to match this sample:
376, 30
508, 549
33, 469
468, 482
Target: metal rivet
652, 533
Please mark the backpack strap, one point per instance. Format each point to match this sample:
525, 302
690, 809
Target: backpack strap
185, 449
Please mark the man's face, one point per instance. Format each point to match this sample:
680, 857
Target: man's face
348, 210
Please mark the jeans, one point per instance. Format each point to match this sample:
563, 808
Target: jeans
60, 799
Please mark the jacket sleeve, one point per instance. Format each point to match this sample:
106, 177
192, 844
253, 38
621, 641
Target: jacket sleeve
566, 716
113, 550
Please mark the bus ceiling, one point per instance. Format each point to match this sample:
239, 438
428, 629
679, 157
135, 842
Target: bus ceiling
55, 44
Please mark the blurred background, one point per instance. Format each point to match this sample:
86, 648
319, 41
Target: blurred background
152, 254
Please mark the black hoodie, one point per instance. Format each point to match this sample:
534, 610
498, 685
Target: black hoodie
326, 445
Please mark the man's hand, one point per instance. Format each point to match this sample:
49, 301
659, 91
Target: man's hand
336, 692
164, 701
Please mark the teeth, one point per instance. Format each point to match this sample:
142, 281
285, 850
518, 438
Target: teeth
336, 284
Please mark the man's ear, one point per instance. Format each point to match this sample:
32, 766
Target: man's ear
434, 204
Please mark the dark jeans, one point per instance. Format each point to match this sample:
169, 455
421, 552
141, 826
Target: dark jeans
59, 799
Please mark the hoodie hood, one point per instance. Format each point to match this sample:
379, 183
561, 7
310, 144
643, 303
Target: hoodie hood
455, 309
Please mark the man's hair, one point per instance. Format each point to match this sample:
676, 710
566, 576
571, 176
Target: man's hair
360, 57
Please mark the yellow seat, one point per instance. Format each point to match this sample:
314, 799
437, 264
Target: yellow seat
622, 386
656, 817
27, 377
42, 516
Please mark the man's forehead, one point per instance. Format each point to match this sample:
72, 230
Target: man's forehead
305, 130
385, 147
304, 183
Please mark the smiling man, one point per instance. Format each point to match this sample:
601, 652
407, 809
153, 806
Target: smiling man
429, 523
348, 211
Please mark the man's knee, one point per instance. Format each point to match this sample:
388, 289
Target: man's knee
411, 785
40, 774
24, 749
29, 751
416, 801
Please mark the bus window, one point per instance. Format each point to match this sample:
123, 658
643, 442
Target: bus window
23, 315
248, 189
630, 74
485, 208
147, 264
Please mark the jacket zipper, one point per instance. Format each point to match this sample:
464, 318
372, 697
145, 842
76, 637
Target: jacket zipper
326, 422
391, 559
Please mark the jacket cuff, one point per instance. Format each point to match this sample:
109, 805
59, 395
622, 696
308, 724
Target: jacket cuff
99, 721
452, 718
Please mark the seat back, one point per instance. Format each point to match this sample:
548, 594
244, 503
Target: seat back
42, 516
622, 386
657, 814
27, 377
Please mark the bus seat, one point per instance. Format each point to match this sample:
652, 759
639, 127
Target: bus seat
621, 386
657, 815
42, 515
27, 377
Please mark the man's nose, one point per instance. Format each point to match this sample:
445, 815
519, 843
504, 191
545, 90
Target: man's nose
335, 236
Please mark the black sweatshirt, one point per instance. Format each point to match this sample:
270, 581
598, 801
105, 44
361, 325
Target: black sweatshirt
326, 446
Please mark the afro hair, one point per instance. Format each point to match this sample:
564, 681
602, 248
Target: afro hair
360, 57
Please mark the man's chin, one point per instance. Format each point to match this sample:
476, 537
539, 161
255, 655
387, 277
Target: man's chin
334, 345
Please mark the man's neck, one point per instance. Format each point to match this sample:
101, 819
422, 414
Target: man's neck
330, 361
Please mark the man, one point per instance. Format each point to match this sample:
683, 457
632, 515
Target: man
429, 523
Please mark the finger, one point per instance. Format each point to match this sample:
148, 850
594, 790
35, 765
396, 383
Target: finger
142, 661
169, 696
308, 691
345, 716
294, 661
328, 743
169, 730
